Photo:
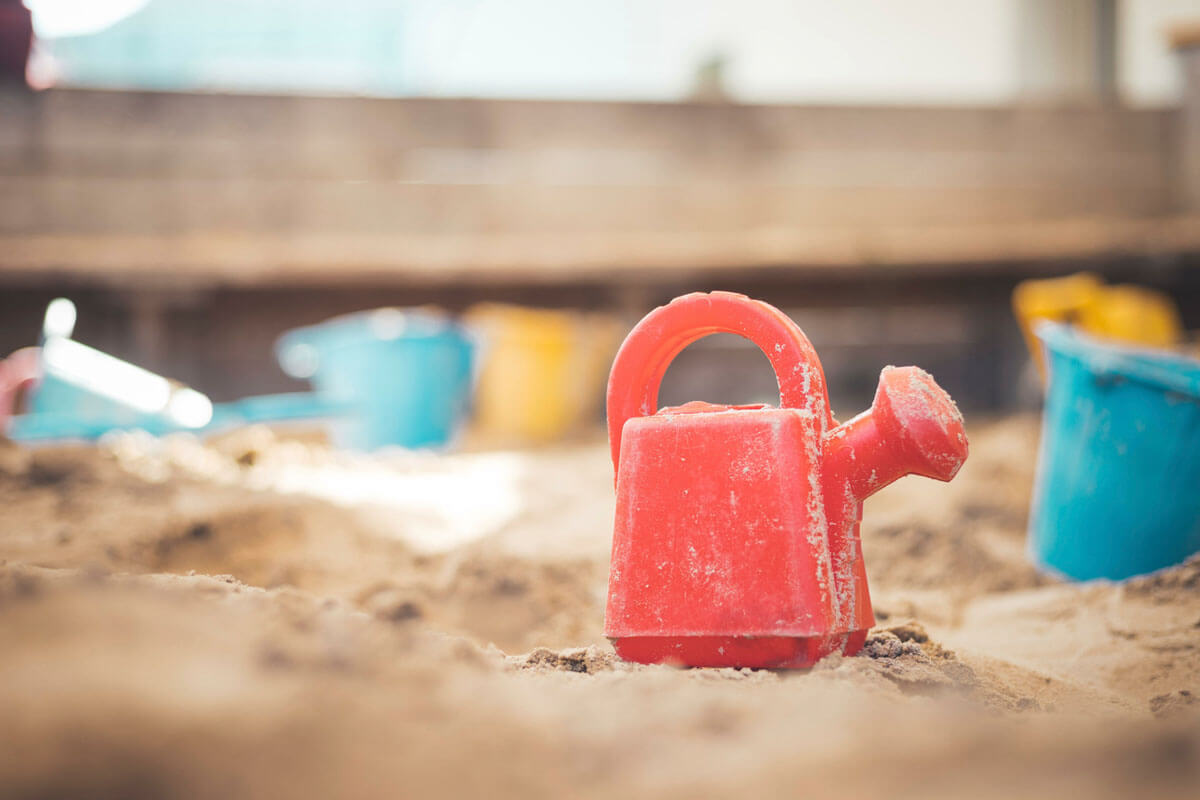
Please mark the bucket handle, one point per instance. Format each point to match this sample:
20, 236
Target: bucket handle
655, 341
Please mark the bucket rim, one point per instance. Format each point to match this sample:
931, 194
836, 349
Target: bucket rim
389, 323
386, 322
1161, 369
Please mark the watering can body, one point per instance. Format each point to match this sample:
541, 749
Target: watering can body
736, 538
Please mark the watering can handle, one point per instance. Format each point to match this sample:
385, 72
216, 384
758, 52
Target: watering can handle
650, 347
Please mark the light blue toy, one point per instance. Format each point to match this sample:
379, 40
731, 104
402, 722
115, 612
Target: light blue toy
407, 375
1117, 492
382, 378
83, 393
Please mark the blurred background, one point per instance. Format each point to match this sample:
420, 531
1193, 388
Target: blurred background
200, 178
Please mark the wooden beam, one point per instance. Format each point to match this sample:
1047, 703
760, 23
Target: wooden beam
204, 262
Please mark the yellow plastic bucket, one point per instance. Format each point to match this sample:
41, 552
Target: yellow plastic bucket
1123, 313
542, 373
1133, 314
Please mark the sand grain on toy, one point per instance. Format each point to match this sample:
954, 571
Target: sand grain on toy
258, 618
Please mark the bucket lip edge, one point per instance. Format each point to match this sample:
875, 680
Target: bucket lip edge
433, 322
1144, 364
436, 325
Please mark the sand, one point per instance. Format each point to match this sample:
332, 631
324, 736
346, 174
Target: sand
258, 617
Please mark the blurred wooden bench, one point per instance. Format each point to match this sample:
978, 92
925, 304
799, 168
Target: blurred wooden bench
220, 190
193, 228
228, 261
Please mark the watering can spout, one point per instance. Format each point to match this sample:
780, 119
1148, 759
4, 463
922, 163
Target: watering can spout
912, 428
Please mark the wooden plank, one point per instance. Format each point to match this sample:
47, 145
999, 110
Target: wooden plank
249, 208
429, 188
159, 126
308, 260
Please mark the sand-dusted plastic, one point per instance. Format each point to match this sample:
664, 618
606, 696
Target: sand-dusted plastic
736, 541
1117, 492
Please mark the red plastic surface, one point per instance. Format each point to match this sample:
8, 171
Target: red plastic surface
736, 537
713, 563
17, 372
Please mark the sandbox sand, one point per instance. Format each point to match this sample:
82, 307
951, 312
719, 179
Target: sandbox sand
264, 618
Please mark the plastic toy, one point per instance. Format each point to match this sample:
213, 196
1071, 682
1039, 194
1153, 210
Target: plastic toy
542, 370
736, 541
407, 375
1117, 491
83, 393
1123, 313
18, 372
384, 377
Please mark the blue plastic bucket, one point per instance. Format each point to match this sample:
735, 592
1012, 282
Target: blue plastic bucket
406, 375
1117, 491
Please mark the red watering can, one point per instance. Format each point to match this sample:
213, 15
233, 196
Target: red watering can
736, 542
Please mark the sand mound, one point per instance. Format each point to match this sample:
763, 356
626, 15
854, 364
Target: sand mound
259, 618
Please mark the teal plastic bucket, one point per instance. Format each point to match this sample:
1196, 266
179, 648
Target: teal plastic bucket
1117, 491
405, 376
